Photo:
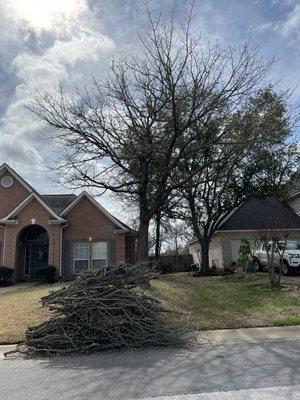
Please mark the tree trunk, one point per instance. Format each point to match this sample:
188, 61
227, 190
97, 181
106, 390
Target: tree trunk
157, 236
143, 239
143, 232
204, 268
272, 273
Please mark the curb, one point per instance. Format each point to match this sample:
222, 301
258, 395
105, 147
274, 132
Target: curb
7, 348
249, 335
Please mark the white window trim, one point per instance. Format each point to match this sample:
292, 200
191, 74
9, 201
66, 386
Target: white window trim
89, 253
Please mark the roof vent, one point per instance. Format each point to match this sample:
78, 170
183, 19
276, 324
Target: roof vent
7, 181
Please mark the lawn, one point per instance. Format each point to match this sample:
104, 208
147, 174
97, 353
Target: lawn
200, 303
20, 309
226, 302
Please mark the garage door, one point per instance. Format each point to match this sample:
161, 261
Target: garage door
235, 247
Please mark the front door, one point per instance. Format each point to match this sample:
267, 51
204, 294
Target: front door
39, 257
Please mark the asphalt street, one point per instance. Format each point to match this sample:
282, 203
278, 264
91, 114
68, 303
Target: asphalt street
262, 370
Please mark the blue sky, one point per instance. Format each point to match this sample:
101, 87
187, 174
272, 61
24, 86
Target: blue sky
44, 41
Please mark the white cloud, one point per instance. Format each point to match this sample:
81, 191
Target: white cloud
70, 54
290, 28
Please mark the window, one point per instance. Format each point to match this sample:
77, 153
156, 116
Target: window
89, 255
7, 181
99, 254
81, 256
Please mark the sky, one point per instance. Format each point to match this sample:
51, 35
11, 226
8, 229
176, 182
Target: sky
43, 42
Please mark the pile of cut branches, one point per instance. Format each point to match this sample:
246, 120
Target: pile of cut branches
101, 310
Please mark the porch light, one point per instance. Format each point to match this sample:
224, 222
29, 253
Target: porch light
33, 221
90, 239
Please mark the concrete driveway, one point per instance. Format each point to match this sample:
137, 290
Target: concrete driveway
266, 368
16, 287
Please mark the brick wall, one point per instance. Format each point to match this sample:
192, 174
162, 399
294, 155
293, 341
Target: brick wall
12, 196
87, 221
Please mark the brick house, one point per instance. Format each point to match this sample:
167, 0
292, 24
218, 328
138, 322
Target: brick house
70, 232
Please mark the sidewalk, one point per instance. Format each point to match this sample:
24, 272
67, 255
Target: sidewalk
249, 334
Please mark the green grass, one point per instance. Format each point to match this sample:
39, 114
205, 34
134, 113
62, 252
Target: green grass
226, 302
288, 321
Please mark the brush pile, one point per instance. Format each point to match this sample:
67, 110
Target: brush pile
110, 308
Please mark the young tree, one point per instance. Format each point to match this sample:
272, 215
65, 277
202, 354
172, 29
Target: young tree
274, 232
251, 158
130, 132
274, 241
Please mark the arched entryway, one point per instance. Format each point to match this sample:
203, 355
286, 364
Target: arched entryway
32, 251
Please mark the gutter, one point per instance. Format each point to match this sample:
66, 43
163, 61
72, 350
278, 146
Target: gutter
61, 249
4, 242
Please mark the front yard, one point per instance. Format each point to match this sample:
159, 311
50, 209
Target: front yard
226, 302
202, 303
20, 309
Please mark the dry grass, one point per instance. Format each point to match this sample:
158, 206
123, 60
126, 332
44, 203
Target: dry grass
203, 303
225, 302
20, 309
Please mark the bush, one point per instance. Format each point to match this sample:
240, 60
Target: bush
45, 274
109, 308
244, 259
5, 274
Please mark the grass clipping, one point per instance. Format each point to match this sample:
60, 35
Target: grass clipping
110, 308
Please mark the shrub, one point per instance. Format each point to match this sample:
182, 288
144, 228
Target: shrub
5, 274
109, 308
45, 274
244, 260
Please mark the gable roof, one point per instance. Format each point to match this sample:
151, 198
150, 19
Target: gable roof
26, 201
17, 177
57, 205
262, 214
58, 202
118, 224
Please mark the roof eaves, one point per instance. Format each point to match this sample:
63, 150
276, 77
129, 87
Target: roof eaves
17, 177
26, 201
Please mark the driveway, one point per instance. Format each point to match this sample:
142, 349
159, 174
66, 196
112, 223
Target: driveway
266, 368
16, 287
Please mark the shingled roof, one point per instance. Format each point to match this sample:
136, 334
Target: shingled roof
58, 202
262, 214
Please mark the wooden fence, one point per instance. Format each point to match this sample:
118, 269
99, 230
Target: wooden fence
168, 263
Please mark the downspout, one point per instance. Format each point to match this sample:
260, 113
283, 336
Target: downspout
61, 244
4, 242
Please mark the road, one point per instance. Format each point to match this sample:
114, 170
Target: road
258, 370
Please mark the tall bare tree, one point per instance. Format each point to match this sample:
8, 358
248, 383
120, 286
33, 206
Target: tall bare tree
254, 156
129, 133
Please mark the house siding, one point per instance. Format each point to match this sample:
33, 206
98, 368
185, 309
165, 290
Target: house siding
215, 252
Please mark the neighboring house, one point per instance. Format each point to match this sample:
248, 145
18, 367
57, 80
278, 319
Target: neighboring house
70, 232
251, 220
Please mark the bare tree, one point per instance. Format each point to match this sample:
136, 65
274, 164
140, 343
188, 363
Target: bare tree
130, 132
274, 241
274, 233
